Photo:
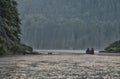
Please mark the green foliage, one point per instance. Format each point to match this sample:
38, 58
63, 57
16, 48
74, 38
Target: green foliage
10, 28
114, 47
21, 48
3, 46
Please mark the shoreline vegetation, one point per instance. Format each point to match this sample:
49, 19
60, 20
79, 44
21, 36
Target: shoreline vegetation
113, 47
10, 30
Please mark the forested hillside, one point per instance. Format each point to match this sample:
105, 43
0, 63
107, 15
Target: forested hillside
10, 28
69, 24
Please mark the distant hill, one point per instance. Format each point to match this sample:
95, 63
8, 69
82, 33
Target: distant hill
69, 24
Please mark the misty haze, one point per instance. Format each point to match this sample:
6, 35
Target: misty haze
59, 39
69, 24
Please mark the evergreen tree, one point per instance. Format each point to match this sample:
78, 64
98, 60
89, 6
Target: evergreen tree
9, 26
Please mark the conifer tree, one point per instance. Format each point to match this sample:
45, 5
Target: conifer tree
9, 25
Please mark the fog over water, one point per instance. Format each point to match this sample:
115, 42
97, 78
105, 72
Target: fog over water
63, 51
74, 52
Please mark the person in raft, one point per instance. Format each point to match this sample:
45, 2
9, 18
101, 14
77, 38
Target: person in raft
87, 51
92, 51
